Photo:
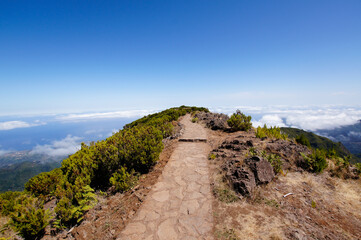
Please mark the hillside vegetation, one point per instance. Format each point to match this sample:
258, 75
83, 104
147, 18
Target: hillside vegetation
318, 142
112, 164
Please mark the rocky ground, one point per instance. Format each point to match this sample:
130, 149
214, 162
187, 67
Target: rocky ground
254, 203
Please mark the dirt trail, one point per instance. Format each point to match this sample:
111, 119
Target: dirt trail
180, 204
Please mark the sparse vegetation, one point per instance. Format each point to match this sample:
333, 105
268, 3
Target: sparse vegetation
212, 156
358, 167
194, 120
274, 160
240, 122
226, 234
271, 203
272, 132
313, 204
225, 194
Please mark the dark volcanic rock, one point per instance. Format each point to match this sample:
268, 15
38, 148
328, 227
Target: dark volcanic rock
214, 121
261, 168
243, 180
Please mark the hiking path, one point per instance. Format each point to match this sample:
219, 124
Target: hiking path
179, 206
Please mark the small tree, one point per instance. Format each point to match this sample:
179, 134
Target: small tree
239, 121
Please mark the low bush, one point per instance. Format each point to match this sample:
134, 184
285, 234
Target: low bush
8, 201
30, 218
239, 122
272, 132
194, 120
122, 180
44, 184
212, 156
302, 139
315, 162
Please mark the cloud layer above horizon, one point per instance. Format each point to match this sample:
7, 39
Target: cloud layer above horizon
307, 118
9, 125
69, 145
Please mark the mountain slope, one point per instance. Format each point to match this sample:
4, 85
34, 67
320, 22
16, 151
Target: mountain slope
317, 141
349, 135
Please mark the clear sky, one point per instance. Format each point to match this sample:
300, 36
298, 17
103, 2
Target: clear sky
78, 56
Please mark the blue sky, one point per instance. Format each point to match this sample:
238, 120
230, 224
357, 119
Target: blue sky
81, 56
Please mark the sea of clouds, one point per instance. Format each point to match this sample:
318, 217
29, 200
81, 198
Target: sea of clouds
305, 117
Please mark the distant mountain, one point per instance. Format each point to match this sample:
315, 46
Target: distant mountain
11, 158
350, 136
317, 141
16, 168
13, 177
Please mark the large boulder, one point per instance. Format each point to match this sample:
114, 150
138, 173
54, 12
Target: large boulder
214, 121
261, 168
243, 180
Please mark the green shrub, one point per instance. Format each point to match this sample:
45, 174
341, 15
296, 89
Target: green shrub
212, 156
74, 202
302, 139
30, 218
44, 184
8, 201
315, 162
194, 120
253, 151
272, 132
121, 180
135, 149
239, 121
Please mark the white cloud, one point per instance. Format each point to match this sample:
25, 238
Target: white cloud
105, 115
18, 124
321, 120
270, 120
68, 145
354, 134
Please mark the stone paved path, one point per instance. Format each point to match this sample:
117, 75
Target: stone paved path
180, 205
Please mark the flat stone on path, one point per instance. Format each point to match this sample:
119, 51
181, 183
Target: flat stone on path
180, 204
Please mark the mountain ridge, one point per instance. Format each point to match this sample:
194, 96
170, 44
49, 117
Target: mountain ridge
108, 174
